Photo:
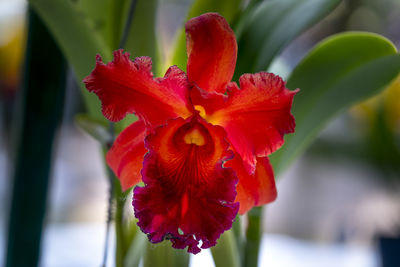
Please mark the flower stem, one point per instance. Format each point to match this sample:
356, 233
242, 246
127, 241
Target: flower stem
109, 215
239, 236
162, 254
226, 253
119, 230
253, 237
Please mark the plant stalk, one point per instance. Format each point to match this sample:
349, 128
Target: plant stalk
253, 237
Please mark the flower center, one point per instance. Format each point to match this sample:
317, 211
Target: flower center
194, 137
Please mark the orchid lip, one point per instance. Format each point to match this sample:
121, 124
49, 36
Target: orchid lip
184, 171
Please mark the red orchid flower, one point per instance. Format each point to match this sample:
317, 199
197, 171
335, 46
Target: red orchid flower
205, 138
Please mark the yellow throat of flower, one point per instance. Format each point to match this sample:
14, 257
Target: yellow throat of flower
194, 137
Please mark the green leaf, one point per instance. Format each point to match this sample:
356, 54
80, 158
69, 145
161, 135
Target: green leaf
117, 17
38, 116
108, 17
80, 37
142, 39
77, 39
225, 253
338, 72
267, 28
97, 11
227, 8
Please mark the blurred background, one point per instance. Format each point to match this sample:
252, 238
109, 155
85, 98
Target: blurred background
335, 204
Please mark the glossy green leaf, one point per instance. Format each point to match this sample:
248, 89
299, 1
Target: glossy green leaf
338, 72
267, 28
78, 40
225, 253
227, 8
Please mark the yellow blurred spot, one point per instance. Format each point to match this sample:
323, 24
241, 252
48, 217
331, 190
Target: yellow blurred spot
392, 105
194, 137
11, 56
389, 99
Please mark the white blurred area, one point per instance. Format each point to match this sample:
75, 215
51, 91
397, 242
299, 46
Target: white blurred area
328, 213
341, 203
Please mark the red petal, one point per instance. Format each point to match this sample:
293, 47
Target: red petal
126, 86
188, 195
212, 50
256, 117
125, 157
253, 189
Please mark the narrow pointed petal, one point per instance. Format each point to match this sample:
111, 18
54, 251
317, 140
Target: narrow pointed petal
255, 117
125, 157
126, 86
188, 195
253, 189
212, 51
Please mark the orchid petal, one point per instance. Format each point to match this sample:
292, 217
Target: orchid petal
125, 157
212, 50
253, 189
255, 117
126, 86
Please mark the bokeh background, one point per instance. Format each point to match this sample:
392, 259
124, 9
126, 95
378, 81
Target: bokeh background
335, 204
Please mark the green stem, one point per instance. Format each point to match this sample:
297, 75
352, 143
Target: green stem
226, 253
253, 237
239, 236
39, 115
118, 220
109, 214
163, 255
